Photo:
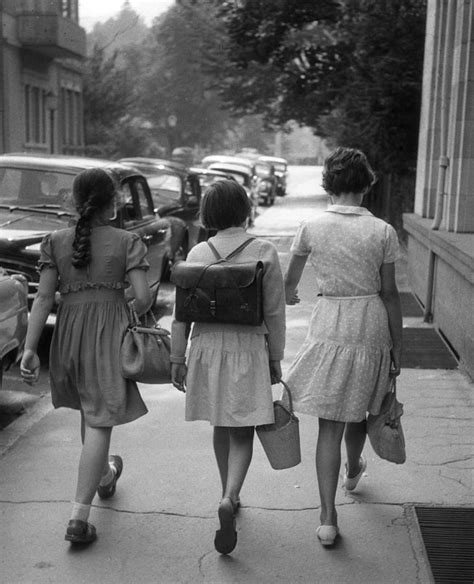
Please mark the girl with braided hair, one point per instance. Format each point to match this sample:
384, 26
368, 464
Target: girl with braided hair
90, 264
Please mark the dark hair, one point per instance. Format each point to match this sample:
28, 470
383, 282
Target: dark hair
93, 190
225, 204
347, 170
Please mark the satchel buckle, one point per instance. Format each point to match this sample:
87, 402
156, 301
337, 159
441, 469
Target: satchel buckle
213, 307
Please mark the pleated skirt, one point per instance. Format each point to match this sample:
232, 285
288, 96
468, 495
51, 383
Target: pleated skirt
228, 379
85, 359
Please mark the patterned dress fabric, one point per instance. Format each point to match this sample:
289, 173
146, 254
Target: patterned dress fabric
228, 378
91, 320
341, 371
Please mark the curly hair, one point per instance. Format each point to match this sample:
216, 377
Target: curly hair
225, 204
347, 170
93, 190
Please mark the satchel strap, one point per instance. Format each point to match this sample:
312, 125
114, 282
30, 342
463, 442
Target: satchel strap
233, 253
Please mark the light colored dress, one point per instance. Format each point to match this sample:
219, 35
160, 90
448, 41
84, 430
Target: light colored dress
228, 379
341, 371
91, 320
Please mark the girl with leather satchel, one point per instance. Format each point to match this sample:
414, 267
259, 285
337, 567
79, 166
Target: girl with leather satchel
231, 367
353, 344
91, 264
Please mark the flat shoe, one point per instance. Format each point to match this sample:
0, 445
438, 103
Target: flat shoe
80, 532
116, 464
226, 537
351, 483
327, 534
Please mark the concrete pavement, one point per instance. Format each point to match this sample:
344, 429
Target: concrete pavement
159, 527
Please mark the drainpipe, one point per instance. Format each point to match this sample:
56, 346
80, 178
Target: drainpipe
443, 159
444, 118
3, 144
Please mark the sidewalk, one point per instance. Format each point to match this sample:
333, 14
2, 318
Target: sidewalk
159, 527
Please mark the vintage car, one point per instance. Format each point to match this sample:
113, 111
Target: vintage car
281, 172
36, 198
13, 318
266, 182
207, 176
176, 194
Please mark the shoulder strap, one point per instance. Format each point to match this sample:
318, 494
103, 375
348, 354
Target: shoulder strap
233, 253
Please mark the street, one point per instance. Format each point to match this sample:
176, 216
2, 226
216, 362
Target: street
160, 525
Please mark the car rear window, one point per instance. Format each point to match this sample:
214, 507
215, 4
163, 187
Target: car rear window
29, 187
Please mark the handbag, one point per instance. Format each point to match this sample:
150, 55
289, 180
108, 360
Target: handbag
145, 350
281, 440
221, 291
385, 429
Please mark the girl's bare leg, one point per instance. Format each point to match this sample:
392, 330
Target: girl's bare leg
354, 438
328, 463
221, 451
240, 456
93, 462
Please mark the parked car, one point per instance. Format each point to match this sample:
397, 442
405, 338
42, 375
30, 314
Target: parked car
208, 176
224, 158
36, 199
176, 194
281, 172
266, 182
13, 318
244, 175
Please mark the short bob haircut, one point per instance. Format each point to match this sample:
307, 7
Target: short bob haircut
225, 204
347, 170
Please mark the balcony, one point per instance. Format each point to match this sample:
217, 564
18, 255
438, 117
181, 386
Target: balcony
51, 35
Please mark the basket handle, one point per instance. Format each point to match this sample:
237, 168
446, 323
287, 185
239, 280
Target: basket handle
288, 392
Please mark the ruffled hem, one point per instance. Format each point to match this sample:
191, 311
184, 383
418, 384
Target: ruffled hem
339, 382
84, 285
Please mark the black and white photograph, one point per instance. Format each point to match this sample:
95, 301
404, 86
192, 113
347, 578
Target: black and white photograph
236, 291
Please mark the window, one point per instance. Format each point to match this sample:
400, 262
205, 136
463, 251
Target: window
69, 9
35, 114
71, 118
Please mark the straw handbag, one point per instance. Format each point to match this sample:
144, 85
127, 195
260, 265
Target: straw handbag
281, 440
385, 429
145, 350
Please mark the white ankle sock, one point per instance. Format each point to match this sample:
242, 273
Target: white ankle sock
80, 511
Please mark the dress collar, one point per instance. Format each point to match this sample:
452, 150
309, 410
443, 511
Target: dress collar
348, 210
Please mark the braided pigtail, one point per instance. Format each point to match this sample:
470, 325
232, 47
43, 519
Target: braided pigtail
82, 240
93, 191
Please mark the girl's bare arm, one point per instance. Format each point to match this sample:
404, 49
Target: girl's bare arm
293, 276
391, 299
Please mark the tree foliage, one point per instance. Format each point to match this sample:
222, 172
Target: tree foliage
350, 69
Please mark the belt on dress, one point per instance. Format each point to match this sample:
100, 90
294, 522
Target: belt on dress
349, 297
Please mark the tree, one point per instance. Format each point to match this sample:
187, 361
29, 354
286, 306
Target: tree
350, 69
178, 85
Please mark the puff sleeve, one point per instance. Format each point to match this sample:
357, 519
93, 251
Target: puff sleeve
300, 245
136, 254
46, 259
392, 247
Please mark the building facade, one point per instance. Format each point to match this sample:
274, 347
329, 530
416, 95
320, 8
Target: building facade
41, 50
441, 230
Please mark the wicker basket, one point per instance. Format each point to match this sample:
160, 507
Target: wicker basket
281, 440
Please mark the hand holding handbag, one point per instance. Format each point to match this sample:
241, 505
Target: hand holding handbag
385, 429
281, 440
145, 350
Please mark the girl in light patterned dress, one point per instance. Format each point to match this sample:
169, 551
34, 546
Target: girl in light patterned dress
353, 343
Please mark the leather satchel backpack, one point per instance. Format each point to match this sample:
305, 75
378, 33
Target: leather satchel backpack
220, 292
